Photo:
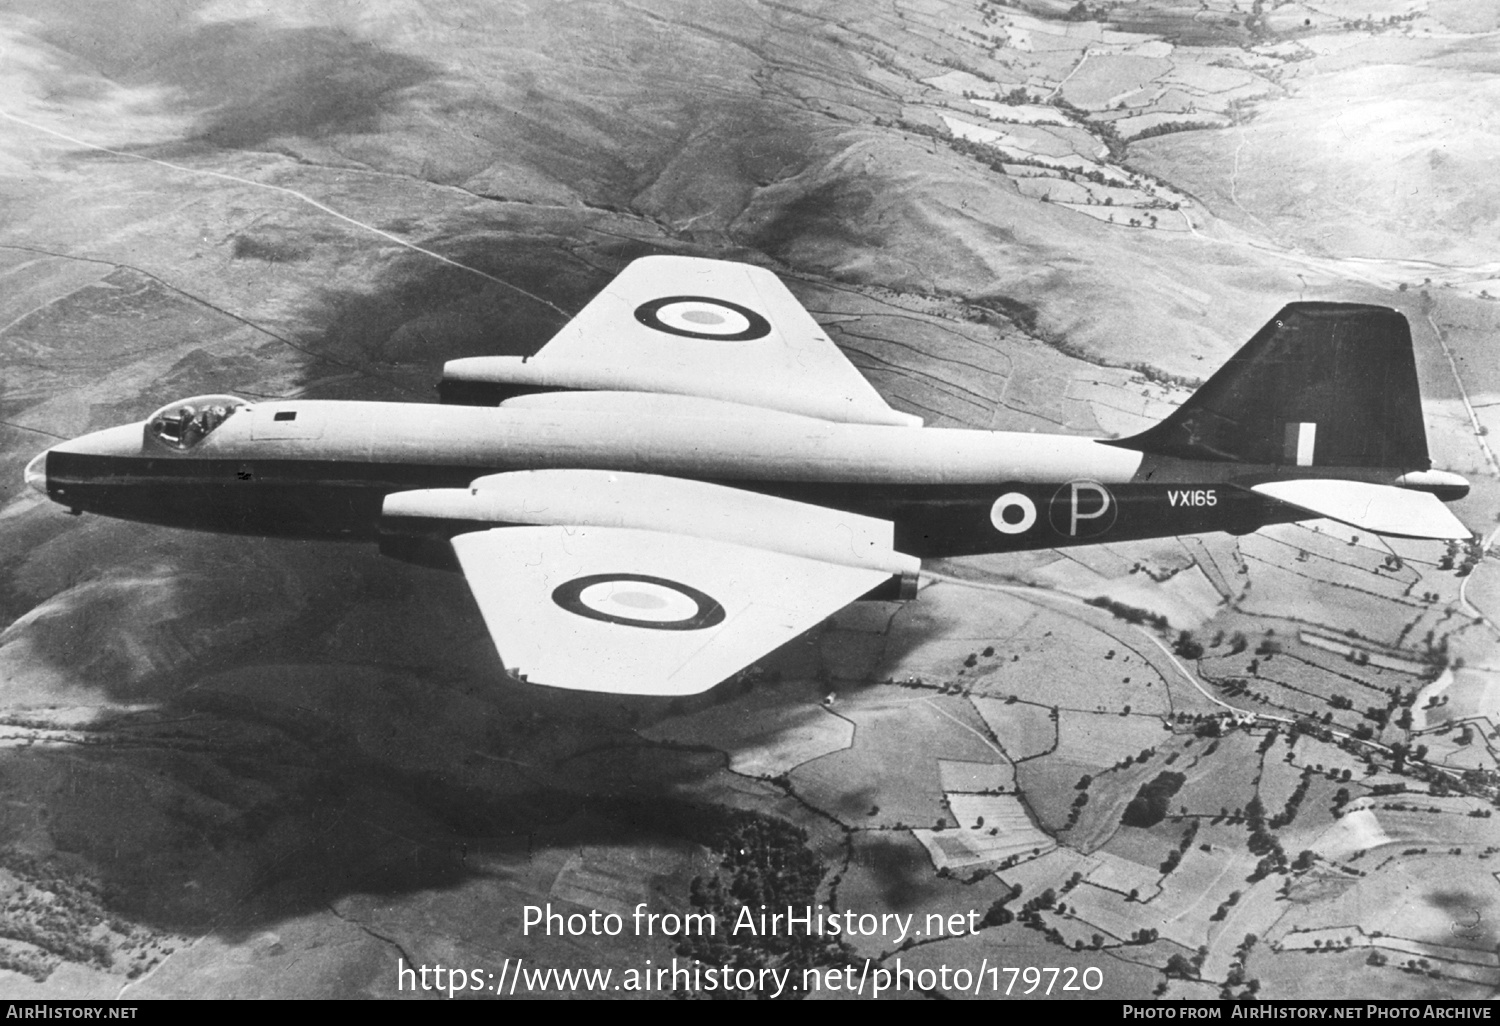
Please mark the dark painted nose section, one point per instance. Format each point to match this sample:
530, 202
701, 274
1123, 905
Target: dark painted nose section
36, 473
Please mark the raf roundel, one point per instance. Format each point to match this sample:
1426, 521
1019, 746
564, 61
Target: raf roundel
637, 600
717, 320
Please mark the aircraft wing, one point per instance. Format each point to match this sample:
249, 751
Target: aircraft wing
1382, 509
643, 612
708, 328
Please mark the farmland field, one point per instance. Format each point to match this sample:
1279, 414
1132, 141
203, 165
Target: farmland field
766, 733
1099, 740
1024, 730
1224, 779
891, 870
974, 777
991, 828
896, 737
1036, 875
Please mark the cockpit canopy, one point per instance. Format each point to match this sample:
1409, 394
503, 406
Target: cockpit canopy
185, 423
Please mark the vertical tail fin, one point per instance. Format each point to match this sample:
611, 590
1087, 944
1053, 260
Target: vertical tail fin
1321, 385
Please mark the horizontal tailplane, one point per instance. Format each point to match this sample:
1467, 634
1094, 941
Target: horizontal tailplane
1382, 509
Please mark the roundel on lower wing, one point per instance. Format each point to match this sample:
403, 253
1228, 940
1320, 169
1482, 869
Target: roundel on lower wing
636, 600
717, 320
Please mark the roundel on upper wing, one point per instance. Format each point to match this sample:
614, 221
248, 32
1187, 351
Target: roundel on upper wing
701, 317
636, 600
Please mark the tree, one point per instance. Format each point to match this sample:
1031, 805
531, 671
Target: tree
1188, 646
1152, 802
1178, 965
998, 914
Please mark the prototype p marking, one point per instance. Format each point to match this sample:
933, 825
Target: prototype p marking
1082, 509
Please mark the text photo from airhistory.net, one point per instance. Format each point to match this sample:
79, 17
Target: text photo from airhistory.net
928, 499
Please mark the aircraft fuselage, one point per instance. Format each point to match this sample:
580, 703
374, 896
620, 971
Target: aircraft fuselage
322, 469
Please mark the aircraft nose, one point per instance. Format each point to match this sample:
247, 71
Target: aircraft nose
36, 473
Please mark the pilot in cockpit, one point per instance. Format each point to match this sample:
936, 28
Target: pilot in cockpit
184, 425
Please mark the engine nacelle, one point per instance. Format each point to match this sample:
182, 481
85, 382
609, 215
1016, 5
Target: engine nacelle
491, 380
416, 526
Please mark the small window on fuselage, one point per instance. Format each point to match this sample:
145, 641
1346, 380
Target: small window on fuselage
286, 415
184, 424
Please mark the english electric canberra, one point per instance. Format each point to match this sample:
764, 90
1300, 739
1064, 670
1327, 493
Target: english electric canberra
690, 473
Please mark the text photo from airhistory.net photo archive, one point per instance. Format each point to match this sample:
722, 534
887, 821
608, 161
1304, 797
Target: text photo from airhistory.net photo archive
796, 500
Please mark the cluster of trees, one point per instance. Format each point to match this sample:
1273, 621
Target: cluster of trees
57, 911
1017, 97
1168, 127
1162, 377
1031, 913
998, 914
1143, 758
1128, 613
1472, 553
1174, 857
1235, 977
1212, 726
1186, 968
762, 861
1151, 803
1225, 905
36, 964
1079, 801
1294, 802
1262, 842
1188, 646
1083, 12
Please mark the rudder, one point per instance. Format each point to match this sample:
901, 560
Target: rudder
1321, 385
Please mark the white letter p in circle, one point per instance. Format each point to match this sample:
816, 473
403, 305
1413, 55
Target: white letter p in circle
1009, 501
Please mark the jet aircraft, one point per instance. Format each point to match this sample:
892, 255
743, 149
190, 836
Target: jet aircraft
690, 473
